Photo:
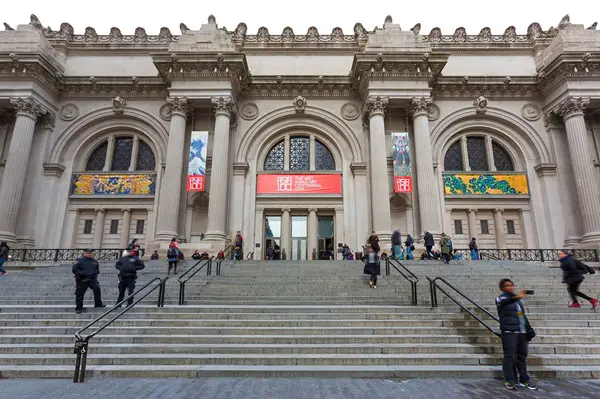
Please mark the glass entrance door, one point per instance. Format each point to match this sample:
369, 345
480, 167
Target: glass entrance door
272, 248
299, 237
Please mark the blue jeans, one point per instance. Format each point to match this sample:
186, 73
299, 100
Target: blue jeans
398, 252
409, 254
2, 261
474, 254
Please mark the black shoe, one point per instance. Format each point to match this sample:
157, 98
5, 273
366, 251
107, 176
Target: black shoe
529, 385
100, 306
78, 311
510, 386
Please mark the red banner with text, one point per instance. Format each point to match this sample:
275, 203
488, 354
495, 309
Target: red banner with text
299, 184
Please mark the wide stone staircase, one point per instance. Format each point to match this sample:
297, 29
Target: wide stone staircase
286, 318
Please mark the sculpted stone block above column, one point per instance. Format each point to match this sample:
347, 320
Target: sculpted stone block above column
178, 105
420, 106
374, 106
572, 106
27, 106
224, 106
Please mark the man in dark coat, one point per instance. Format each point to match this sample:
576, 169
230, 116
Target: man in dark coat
86, 272
573, 271
397, 245
429, 243
128, 267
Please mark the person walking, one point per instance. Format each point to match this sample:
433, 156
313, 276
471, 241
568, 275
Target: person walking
446, 247
372, 267
374, 242
4, 248
128, 267
573, 271
86, 272
239, 245
429, 243
474, 249
173, 256
409, 244
516, 333
397, 245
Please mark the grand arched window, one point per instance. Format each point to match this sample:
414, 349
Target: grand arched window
300, 153
121, 153
479, 153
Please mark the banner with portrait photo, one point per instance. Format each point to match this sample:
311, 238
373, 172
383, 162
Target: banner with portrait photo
401, 156
196, 176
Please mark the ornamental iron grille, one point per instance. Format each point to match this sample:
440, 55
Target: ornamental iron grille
122, 154
323, 157
275, 157
476, 153
145, 159
453, 159
97, 159
502, 160
299, 153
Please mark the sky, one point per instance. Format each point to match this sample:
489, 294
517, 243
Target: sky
300, 14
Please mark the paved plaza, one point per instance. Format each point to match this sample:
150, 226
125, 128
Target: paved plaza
221, 388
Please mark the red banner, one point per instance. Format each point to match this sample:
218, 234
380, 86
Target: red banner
402, 184
299, 184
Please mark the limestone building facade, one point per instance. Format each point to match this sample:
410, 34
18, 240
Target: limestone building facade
503, 136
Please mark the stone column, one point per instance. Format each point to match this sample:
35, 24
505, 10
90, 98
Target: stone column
567, 192
135, 151
237, 194
472, 223
286, 152
125, 228
99, 232
588, 191
527, 234
340, 237
499, 229
286, 232
489, 152
429, 198
170, 193
311, 154
259, 228
359, 169
46, 234
219, 174
110, 152
313, 239
15, 172
374, 109
464, 152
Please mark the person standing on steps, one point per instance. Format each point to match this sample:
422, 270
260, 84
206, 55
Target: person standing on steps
429, 243
128, 267
573, 271
4, 248
173, 256
86, 272
374, 242
239, 246
134, 247
397, 245
410, 246
446, 247
372, 267
474, 249
516, 334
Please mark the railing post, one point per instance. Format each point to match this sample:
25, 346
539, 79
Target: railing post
80, 349
24, 255
542, 255
181, 292
160, 292
596, 255
56, 255
509, 254
387, 266
209, 267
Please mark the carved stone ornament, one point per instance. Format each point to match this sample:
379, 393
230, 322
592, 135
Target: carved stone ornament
360, 32
552, 121
434, 112
184, 29
223, 105
480, 104
165, 35
299, 104
287, 35
572, 106
29, 107
49, 121
165, 112
375, 105
68, 112
249, 111
350, 111
140, 35
178, 105
115, 34
531, 112
118, 104
90, 34
240, 31
421, 106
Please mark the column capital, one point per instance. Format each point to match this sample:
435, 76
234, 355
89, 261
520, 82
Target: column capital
28, 107
472, 210
49, 121
572, 106
358, 168
100, 210
375, 106
125, 209
552, 121
178, 105
498, 210
223, 106
420, 106
284, 210
240, 168
312, 210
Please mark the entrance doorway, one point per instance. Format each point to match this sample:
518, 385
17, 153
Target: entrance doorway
325, 236
299, 238
272, 235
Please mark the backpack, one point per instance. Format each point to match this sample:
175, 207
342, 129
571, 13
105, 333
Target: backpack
583, 268
449, 243
172, 252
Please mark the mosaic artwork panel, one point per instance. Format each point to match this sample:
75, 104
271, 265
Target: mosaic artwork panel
485, 184
91, 184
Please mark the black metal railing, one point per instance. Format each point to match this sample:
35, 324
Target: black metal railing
82, 343
407, 274
434, 287
191, 272
63, 255
250, 256
532, 255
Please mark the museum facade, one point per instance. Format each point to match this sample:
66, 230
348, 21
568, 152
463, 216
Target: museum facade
305, 141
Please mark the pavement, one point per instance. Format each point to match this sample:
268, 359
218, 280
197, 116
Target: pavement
297, 388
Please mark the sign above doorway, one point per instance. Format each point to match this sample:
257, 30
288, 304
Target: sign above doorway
299, 184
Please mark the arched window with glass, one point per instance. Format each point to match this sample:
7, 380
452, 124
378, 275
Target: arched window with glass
121, 153
478, 154
299, 153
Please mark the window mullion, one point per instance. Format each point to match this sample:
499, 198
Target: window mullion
465, 154
135, 150
286, 153
110, 151
490, 153
311, 153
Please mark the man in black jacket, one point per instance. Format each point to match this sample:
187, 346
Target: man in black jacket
128, 266
573, 271
86, 272
429, 243
516, 334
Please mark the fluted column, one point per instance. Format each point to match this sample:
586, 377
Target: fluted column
464, 152
99, 233
170, 194
588, 191
313, 232
472, 222
219, 172
15, 172
499, 229
240, 169
429, 197
564, 173
125, 228
374, 109
340, 236
286, 232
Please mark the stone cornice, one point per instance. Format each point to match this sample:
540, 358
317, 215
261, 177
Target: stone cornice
491, 87
53, 169
358, 168
291, 86
545, 169
240, 168
578, 66
30, 67
130, 87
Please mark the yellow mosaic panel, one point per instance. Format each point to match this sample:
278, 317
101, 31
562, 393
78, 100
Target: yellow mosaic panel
485, 184
91, 184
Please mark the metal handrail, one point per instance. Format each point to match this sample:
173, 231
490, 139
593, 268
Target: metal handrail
410, 277
207, 263
434, 286
250, 256
81, 343
63, 254
531, 255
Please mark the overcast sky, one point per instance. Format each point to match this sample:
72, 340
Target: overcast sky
300, 14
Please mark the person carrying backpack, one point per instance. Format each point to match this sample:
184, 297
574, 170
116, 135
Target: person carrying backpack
410, 246
446, 247
573, 271
474, 249
173, 256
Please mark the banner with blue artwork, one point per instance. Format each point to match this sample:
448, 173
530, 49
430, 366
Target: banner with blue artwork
401, 156
196, 175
